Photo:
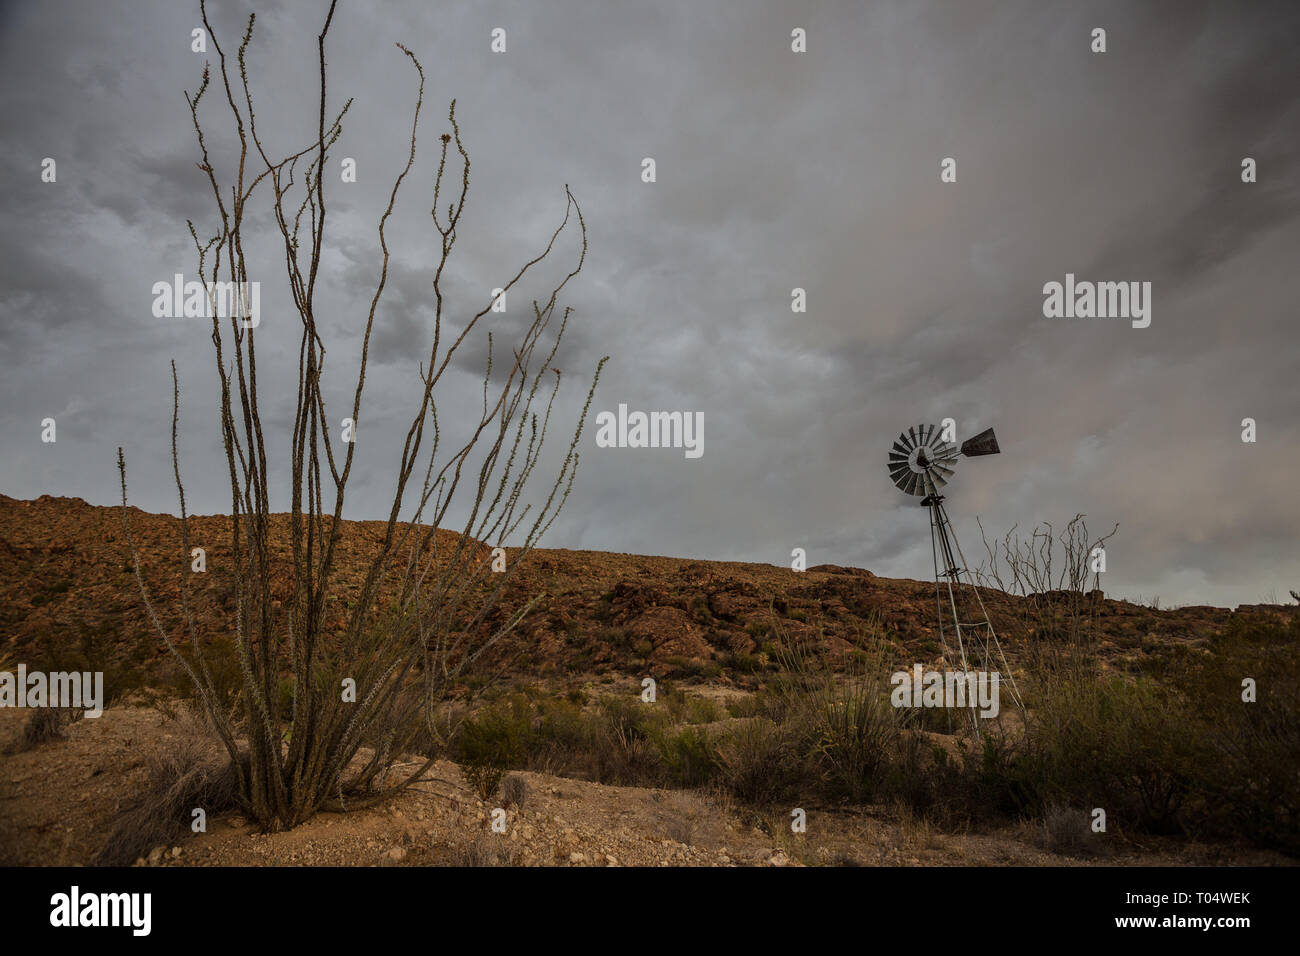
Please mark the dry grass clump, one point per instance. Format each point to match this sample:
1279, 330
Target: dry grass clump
188, 771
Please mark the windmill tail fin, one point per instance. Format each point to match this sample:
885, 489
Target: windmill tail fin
985, 443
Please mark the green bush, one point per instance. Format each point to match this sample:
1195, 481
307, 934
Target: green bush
759, 762
1249, 784
1126, 746
494, 741
689, 756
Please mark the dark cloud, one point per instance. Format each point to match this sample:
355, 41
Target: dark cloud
775, 171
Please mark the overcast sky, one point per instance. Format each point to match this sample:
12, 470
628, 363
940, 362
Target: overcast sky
775, 170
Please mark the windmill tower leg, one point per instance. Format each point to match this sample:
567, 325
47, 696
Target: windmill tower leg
974, 641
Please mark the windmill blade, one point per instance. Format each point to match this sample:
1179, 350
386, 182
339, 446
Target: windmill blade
985, 443
921, 461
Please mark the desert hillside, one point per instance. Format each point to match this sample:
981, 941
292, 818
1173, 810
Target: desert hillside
65, 574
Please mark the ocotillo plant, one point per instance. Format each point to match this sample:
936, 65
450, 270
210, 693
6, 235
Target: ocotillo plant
404, 645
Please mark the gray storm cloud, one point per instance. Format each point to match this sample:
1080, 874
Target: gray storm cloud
775, 170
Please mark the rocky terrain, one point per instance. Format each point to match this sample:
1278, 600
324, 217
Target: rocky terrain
65, 573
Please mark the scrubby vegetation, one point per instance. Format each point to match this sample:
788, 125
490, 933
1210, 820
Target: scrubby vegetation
1177, 752
186, 771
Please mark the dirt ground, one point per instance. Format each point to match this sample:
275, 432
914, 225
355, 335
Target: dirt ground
57, 802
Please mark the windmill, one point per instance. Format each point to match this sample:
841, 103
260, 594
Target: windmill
922, 462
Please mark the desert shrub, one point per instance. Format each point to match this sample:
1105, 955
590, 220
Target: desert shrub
44, 724
688, 756
703, 710
682, 827
1004, 775
1068, 831
222, 659
685, 707
83, 646
559, 727
1121, 745
672, 699
628, 719
483, 775
189, 770
700, 611
576, 695
1179, 753
980, 781
493, 741
618, 740
750, 705
604, 611
922, 777
759, 761
853, 729
480, 851
743, 662
515, 791
1248, 783
845, 723
1054, 593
